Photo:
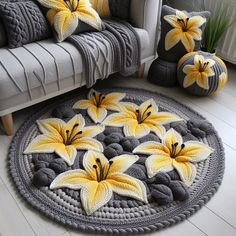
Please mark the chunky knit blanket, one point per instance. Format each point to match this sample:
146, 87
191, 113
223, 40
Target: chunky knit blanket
116, 49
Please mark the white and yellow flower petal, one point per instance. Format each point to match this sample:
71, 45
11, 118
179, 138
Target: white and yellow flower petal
130, 107
158, 163
186, 171
92, 131
194, 151
202, 80
132, 128
152, 148
43, 144
153, 109
76, 120
190, 79
97, 114
95, 195
111, 101
56, 4
162, 118
52, 125
67, 153
83, 104
73, 179
116, 119
172, 38
196, 21
89, 16
159, 130
188, 41
122, 163
65, 24
126, 185
171, 138
85, 143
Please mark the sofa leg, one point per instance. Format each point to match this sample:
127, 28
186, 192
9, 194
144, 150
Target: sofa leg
140, 72
8, 124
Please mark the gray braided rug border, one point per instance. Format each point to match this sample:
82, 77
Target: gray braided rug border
145, 226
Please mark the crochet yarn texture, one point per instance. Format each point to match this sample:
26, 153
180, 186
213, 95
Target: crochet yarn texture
120, 214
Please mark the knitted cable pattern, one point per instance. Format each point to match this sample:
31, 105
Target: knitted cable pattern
24, 22
125, 51
118, 216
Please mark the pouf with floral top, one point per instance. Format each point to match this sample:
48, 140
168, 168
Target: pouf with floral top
202, 73
117, 161
181, 33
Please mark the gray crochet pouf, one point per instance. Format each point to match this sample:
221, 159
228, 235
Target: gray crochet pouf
163, 73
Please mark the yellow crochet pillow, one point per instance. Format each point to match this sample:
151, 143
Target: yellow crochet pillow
65, 16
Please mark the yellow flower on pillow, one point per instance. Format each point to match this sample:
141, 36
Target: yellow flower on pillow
186, 29
199, 72
64, 15
173, 153
100, 179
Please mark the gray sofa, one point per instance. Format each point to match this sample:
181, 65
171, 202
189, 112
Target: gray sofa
22, 70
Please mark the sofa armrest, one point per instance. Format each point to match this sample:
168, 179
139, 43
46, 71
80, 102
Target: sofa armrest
145, 14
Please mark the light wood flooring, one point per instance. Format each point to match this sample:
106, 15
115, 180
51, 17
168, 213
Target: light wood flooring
217, 218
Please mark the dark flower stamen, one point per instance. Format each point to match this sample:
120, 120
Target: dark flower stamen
145, 115
174, 152
101, 174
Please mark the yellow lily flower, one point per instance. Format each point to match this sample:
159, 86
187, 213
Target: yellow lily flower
65, 138
138, 121
199, 72
186, 29
172, 153
65, 15
97, 104
100, 179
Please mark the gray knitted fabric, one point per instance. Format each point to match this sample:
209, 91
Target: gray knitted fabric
125, 45
3, 37
120, 214
24, 22
120, 8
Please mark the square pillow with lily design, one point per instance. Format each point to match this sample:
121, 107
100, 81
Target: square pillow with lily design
181, 32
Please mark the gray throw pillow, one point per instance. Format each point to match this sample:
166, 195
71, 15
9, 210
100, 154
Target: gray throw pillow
3, 36
181, 32
116, 8
24, 22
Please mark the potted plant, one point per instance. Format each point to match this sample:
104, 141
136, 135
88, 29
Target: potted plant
217, 25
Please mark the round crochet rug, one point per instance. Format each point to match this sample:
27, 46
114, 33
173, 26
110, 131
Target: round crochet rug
117, 160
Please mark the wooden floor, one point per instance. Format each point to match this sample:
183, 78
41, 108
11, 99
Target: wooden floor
217, 218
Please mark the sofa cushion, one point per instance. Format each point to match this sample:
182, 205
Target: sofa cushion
3, 37
24, 22
112, 8
58, 65
71, 17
